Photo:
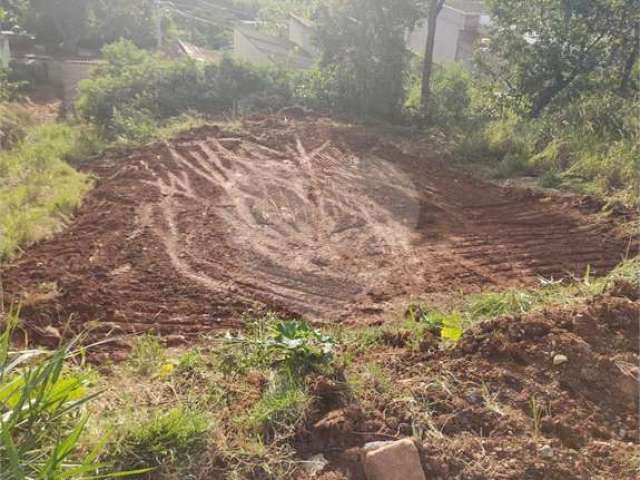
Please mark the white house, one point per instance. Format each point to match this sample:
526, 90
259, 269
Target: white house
458, 28
258, 48
5, 49
301, 32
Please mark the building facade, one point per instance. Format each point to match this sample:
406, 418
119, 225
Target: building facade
5, 50
458, 28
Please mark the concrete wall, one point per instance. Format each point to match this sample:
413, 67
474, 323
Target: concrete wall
67, 74
455, 33
5, 51
302, 34
245, 50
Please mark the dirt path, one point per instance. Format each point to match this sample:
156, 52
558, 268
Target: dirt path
301, 216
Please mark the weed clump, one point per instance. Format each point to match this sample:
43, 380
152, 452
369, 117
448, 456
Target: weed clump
169, 440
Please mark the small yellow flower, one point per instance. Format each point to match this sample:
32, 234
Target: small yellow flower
166, 370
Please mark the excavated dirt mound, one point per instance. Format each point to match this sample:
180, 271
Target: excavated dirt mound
300, 216
498, 407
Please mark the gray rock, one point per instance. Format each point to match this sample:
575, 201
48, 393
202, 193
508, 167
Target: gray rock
546, 452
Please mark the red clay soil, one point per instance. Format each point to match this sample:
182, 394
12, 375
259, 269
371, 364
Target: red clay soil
475, 405
301, 216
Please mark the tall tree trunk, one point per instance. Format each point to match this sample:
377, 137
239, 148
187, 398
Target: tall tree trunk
631, 60
546, 96
427, 68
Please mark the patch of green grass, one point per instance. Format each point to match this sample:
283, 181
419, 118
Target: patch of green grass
39, 190
376, 378
15, 120
629, 271
147, 355
279, 409
507, 302
550, 179
169, 440
451, 321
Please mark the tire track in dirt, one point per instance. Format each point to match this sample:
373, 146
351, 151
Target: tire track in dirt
332, 222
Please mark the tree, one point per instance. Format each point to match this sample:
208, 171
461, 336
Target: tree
111, 20
67, 17
541, 50
14, 13
434, 9
364, 53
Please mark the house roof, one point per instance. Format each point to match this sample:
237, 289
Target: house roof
198, 53
467, 6
278, 50
304, 21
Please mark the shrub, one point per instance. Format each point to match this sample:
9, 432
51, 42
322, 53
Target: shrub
290, 346
589, 144
135, 91
451, 97
9, 89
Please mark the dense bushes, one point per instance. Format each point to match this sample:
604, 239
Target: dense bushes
590, 144
452, 92
364, 58
135, 92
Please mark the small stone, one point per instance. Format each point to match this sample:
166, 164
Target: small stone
315, 464
393, 461
559, 359
405, 428
474, 398
546, 452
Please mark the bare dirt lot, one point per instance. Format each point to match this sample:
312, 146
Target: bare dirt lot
301, 216
500, 407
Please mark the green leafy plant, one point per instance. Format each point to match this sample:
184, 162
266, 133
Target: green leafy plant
448, 325
42, 415
298, 347
291, 346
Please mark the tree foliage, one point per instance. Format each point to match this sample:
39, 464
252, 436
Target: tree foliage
544, 49
93, 23
364, 53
